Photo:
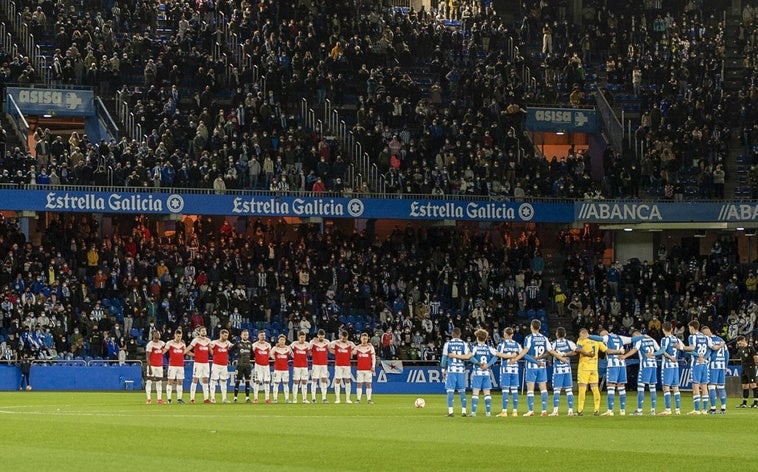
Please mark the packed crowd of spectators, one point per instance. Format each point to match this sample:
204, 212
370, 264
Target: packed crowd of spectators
667, 59
72, 294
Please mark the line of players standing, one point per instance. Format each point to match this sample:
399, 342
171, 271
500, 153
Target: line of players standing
708, 352
211, 367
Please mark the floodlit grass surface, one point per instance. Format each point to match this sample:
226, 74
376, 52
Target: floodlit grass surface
117, 431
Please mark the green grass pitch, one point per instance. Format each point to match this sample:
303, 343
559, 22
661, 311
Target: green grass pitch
116, 431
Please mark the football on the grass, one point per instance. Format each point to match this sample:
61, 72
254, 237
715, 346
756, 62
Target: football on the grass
420, 403
28, 387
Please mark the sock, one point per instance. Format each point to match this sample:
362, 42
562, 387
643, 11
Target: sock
487, 404
169, 389
266, 391
462, 394
179, 391
256, 388
745, 395
313, 390
582, 394
359, 392
556, 398
212, 390
159, 389
543, 398
149, 389
653, 396
722, 396
622, 398
368, 393
348, 386
570, 399
530, 400
712, 396
514, 397
667, 399
450, 397
755, 395
223, 390
193, 389
677, 400
596, 397
696, 401
324, 388
294, 391
247, 389
286, 392
474, 403
505, 399
206, 390
276, 392
611, 397
337, 390
640, 397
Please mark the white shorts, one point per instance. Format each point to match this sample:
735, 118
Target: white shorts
281, 376
175, 373
201, 370
364, 376
219, 372
300, 373
262, 373
342, 372
320, 372
155, 372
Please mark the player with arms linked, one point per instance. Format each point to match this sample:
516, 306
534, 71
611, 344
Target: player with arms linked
454, 370
482, 356
509, 378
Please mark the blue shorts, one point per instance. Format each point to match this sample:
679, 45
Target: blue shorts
670, 377
716, 376
699, 374
455, 381
615, 375
508, 380
536, 375
562, 381
647, 375
481, 382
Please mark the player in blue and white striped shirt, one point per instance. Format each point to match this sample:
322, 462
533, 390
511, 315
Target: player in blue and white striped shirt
615, 375
536, 346
454, 370
670, 347
561, 349
648, 373
482, 356
509, 380
698, 343
718, 360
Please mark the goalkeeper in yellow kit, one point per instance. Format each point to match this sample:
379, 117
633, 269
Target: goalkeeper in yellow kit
587, 373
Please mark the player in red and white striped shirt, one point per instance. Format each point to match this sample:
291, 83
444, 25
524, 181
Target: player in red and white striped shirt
300, 351
343, 352
366, 356
281, 354
176, 349
320, 371
220, 367
261, 353
154, 354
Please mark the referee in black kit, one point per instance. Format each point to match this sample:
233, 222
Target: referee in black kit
749, 360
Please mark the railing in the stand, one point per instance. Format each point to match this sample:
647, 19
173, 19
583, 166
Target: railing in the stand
21, 126
110, 125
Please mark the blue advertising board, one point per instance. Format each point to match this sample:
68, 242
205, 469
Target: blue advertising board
284, 205
568, 120
47, 101
652, 212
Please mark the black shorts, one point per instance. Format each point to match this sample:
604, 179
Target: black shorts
748, 375
244, 373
